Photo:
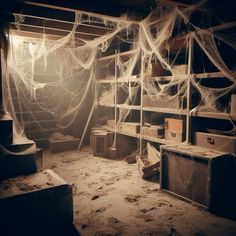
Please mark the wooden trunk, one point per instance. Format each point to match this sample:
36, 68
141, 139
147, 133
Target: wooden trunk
196, 174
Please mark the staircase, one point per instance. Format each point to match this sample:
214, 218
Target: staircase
16, 158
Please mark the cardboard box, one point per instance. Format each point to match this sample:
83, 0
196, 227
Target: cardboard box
171, 102
130, 127
39, 204
174, 130
216, 142
155, 131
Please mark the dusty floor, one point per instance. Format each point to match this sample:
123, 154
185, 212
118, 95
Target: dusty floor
111, 198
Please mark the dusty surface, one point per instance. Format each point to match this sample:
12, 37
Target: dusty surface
110, 198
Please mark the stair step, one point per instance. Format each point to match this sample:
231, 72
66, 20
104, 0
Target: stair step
20, 147
42, 124
34, 116
35, 134
42, 142
6, 128
21, 163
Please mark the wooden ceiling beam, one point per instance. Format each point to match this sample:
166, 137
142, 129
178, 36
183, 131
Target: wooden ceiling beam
34, 29
67, 9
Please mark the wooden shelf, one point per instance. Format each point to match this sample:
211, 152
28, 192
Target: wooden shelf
105, 81
129, 134
165, 110
215, 115
126, 53
158, 140
165, 78
120, 80
217, 74
130, 107
105, 104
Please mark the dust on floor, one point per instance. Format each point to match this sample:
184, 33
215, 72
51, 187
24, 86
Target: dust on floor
111, 198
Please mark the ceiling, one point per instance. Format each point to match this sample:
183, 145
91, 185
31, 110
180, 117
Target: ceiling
59, 14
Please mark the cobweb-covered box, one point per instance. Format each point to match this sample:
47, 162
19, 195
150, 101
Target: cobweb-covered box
196, 174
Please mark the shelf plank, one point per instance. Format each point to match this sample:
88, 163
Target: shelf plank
105, 104
120, 80
129, 134
165, 110
130, 107
217, 74
165, 78
126, 53
215, 115
158, 140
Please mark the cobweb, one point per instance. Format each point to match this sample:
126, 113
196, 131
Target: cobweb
72, 66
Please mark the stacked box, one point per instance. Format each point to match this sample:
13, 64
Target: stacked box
130, 127
174, 130
154, 131
216, 142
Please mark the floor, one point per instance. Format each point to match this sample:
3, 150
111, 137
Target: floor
111, 198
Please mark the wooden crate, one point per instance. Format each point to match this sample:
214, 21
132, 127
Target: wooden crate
174, 130
38, 204
130, 127
100, 144
155, 131
216, 142
56, 146
196, 174
149, 165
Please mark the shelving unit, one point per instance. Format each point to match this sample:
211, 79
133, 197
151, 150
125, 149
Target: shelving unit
186, 111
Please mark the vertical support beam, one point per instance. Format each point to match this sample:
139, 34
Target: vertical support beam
116, 75
141, 106
188, 118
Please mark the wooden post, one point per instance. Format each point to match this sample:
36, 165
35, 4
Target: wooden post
115, 136
141, 107
188, 118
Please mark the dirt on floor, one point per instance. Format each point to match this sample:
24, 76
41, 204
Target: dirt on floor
111, 198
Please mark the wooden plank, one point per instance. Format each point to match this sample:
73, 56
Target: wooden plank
112, 18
